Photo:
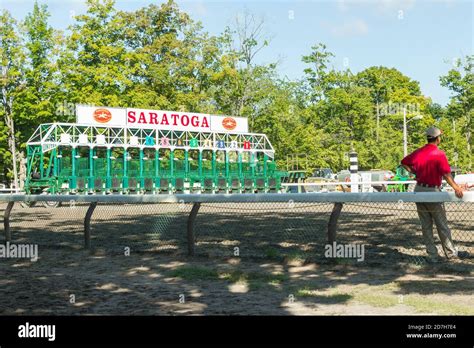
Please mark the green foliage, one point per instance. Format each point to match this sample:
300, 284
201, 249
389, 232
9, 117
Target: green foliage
12, 61
159, 57
460, 80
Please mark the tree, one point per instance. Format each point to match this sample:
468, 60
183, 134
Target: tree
158, 57
12, 62
382, 82
317, 73
241, 84
93, 65
460, 80
37, 101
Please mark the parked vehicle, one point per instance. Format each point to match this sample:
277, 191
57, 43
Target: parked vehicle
466, 181
375, 175
323, 173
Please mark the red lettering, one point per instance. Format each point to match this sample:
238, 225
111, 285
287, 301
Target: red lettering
195, 121
175, 116
164, 120
142, 118
131, 117
183, 122
204, 123
153, 118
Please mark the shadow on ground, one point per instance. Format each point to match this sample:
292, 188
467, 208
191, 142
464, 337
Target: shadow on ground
280, 268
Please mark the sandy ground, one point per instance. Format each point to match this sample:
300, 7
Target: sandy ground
280, 268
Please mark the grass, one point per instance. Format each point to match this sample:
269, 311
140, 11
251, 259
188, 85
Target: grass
421, 304
324, 297
235, 276
383, 301
194, 273
381, 296
424, 305
272, 253
296, 256
385, 296
293, 256
436, 286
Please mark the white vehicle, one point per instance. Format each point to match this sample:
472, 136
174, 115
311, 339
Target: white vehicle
466, 181
375, 175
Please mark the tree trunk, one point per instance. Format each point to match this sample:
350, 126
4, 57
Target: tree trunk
7, 103
469, 151
378, 118
22, 170
12, 144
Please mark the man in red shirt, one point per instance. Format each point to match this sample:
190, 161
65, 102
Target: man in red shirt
430, 166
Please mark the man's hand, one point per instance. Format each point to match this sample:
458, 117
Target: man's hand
457, 189
459, 192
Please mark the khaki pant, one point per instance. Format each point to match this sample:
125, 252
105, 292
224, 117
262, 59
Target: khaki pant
429, 212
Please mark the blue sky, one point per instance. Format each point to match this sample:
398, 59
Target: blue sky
421, 38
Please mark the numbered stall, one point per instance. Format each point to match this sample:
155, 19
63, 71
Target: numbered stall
137, 151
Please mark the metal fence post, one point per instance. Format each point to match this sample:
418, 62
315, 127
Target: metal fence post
6, 221
332, 225
191, 221
87, 225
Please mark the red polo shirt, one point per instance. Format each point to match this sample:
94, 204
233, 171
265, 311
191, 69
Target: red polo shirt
429, 164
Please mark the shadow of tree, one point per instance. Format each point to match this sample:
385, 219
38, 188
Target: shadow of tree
281, 253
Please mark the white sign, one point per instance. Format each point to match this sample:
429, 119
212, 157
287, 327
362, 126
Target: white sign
99, 115
159, 119
229, 124
168, 120
367, 178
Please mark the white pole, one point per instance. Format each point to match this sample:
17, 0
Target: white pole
405, 150
354, 168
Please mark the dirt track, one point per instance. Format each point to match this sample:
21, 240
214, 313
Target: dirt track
280, 268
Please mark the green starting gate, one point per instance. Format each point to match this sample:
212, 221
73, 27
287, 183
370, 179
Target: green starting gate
76, 158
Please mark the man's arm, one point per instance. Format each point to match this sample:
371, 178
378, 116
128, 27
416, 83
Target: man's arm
458, 190
407, 162
408, 168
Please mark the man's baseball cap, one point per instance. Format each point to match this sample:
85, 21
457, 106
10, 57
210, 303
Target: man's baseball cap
433, 132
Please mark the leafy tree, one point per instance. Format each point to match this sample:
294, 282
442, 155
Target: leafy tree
37, 101
159, 57
382, 82
93, 63
12, 60
460, 80
316, 73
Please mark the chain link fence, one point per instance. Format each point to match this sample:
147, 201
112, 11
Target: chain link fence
389, 231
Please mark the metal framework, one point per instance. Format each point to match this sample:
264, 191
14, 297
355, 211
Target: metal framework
196, 199
52, 135
329, 197
79, 158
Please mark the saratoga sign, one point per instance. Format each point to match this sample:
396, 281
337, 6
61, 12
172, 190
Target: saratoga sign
159, 119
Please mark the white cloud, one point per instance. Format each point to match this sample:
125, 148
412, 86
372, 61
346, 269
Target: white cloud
380, 6
391, 6
355, 27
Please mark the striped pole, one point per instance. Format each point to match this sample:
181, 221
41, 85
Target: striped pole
354, 168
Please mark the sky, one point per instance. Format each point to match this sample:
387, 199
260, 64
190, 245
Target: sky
421, 38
